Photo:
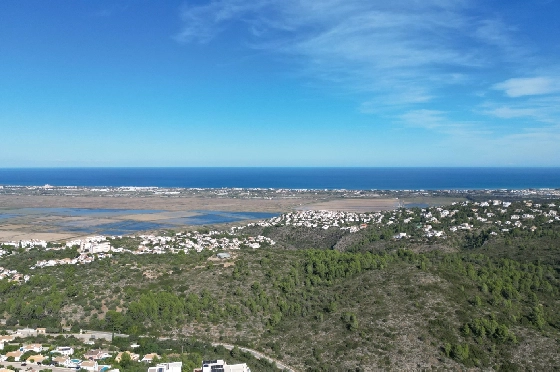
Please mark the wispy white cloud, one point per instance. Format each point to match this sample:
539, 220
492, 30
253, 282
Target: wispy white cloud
438, 121
201, 23
531, 145
518, 87
408, 57
424, 118
506, 112
414, 95
524, 147
401, 52
504, 40
533, 108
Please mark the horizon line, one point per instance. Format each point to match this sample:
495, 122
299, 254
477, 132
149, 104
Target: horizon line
277, 167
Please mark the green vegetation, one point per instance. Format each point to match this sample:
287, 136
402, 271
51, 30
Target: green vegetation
475, 300
190, 351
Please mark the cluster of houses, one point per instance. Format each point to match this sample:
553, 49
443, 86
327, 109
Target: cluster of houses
194, 240
13, 275
83, 258
498, 215
323, 220
62, 356
92, 360
503, 215
434, 222
92, 244
184, 241
32, 243
489, 212
97, 247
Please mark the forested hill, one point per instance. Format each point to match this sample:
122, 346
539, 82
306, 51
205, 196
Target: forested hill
325, 301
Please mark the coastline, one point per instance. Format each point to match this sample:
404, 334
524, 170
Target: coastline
330, 178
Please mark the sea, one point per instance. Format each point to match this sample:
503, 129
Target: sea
290, 178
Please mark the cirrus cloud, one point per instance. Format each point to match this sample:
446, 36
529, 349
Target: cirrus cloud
519, 87
387, 50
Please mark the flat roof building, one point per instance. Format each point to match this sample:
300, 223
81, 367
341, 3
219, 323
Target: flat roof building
221, 366
167, 367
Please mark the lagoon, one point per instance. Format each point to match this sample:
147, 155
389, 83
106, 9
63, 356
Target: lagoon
83, 221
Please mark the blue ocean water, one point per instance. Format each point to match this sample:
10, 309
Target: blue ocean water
290, 178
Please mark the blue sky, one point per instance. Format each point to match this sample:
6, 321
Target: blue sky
280, 83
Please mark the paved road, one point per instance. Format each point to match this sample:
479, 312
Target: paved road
108, 336
257, 355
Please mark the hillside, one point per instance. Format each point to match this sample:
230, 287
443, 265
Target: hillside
322, 300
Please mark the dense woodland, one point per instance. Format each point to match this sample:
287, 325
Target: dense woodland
339, 303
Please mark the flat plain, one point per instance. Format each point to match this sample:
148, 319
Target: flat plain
37, 217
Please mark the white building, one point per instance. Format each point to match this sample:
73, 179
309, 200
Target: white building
220, 365
64, 350
89, 365
148, 358
167, 367
62, 361
37, 348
